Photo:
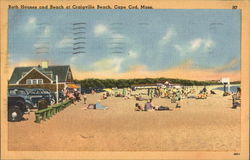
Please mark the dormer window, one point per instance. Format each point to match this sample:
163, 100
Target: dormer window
34, 81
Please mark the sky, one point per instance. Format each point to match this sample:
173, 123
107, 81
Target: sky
190, 44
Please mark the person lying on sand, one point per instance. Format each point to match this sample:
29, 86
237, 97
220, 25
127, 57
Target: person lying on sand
202, 96
138, 107
91, 106
150, 107
97, 106
139, 98
162, 108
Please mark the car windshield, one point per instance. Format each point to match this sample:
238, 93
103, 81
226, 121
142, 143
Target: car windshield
17, 92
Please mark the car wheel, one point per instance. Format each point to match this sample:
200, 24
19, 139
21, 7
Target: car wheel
52, 101
59, 100
15, 114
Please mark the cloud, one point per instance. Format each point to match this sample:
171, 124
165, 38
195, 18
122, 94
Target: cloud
228, 66
168, 36
209, 43
31, 24
100, 29
113, 36
65, 42
170, 33
200, 43
46, 31
111, 65
132, 54
194, 45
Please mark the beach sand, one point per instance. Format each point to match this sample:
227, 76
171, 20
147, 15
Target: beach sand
200, 125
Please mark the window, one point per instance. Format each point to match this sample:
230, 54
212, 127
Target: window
28, 81
40, 81
34, 81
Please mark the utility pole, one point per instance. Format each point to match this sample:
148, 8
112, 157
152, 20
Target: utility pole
57, 93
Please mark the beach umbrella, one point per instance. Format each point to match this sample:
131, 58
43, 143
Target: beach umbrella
72, 85
107, 89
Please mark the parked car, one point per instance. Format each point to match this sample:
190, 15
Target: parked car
37, 94
61, 96
21, 92
33, 95
86, 91
99, 90
17, 107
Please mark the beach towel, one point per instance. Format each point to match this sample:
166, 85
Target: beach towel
99, 106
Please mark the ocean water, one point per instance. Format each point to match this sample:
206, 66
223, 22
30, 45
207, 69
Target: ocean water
232, 88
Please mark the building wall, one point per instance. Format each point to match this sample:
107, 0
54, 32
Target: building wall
34, 75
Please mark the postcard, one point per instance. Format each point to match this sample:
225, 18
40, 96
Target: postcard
124, 79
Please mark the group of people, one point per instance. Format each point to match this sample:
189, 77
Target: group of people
106, 95
72, 94
150, 107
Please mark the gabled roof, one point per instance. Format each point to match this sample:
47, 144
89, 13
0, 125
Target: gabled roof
61, 71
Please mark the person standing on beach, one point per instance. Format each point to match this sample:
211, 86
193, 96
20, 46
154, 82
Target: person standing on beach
178, 100
85, 98
151, 93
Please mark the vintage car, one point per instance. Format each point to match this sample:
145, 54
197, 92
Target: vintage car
37, 94
34, 95
17, 107
24, 93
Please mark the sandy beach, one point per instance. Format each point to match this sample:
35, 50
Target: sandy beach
200, 125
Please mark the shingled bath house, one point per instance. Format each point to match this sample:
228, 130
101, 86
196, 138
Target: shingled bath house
42, 76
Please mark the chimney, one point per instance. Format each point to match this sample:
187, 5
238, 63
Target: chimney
44, 64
